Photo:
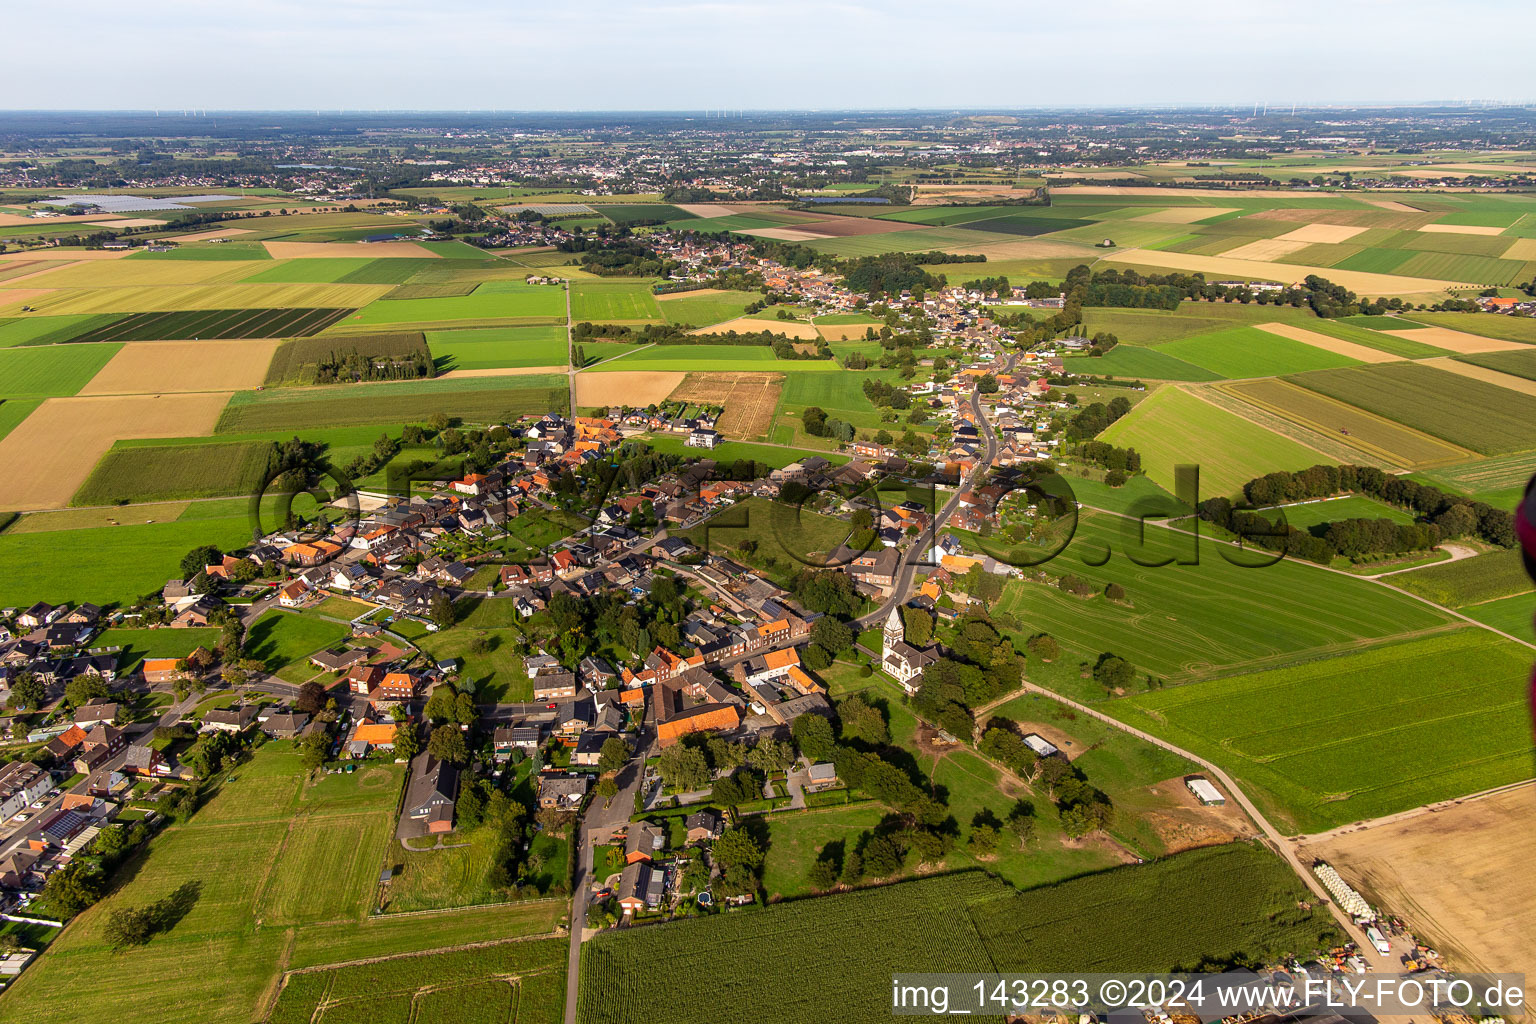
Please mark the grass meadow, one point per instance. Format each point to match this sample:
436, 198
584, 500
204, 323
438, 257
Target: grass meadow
1250, 352
173, 472
703, 310
609, 301
497, 347
474, 400
507, 300
51, 371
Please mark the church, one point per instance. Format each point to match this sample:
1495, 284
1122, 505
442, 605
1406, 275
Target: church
900, 659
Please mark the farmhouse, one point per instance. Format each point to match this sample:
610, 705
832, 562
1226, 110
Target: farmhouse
430, 794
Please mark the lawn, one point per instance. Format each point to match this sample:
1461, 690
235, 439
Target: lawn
494, 676
703, 310
609, 301
52, 370
1353, 506
255, 851
1435, 402
138, 644
729, 451
1355, 737
788, 539
1173, 427
506, 300
284, 639
1188, 621
496, 347
1250, 352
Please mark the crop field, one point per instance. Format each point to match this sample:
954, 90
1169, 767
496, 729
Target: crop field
1435, 402
1468, 581
1343, 739
1250, 352
174, 472
1140, 363
510, 300
48, 330
214, 324
496, 347
132, 272
206, 297
252, 853
322, 271
633, 213
704, 307
517, 982
722, 358
1505, 328
297, 362
163, 367
1375, 435
1173, 427
1498, 481
51, 371
1188, 621
474, 400
749, 400
1517, 362
605, 302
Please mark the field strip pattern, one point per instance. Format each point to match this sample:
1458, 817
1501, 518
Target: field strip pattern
1483, 373
1338, 346
1334, 449
1285, 273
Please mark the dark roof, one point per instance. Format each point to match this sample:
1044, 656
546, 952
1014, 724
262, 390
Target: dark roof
433, 783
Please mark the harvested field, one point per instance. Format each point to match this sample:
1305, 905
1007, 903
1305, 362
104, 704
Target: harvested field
708, 210
1355, 280
1321, 233
154, 272
751, 325
203, 236
786, 234
1483, 373
1460, 229
1264, 249
1363, 353
19, 297
625, 387
1183, 214
502, 371
1391, 204
371, 250
1456, 341
126, 222
844, 332
843, 227
1184, 193
1375, 435
10, 220
749, 400
1034, 248
13, 272
1457, 875
156, 367
52, 253
47, 457
1522, 249
692, 293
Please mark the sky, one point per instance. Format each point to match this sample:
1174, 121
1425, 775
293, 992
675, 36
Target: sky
757, 54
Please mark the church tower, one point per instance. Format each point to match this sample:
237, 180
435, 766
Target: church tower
894, 634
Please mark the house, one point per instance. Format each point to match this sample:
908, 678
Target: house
875, 569
562, 792
368, 734
763, 668
93, 712
901, 660
507, 739
292, 595
16, 870
145, 760
822, 775
65, 744
21, 782
161, 670
554, 685
101, 743
589, 748
430, 795
363, 678
644, 841
704, 439
634, 883
284, 725
235, 720
703, 826
693, 702
338, 661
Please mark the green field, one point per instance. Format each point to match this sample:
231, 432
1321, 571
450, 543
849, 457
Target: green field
1250, 352
1469, 580
1499, 481
1362, 735
14, 410
621, 213
1512, 615
1505, 328
790, 536
285, 639
496, 347
169, 472
138, 644
254, 852
475, 400
1132, 361
47, 330
508, 300
610, 301
51, 371
326, 270
1435, 402
703, 310
1518, 362
748, 358
1194, 620
1353, 506
1173, 427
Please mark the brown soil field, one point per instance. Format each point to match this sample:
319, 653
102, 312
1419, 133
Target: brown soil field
1263, 249
621, 387
202, 236
502, 371
18, 297
741, 325
844, 332
1344, 348
708, 210
1321, 233
1183, 214
749, 400
1357, 281
50, 252
48, 456
364, 250
1460, 229
785, 234
153, 367
1523, 249
1460, 875
1482, 373
1392, 204
694, 293
1456, 341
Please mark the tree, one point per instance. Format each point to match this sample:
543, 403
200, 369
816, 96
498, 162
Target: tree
737, 847
440, 610
918, 625
607, 789
27, 692
442, 705
73, 887
853, 867
862, 722
882, 857
447, 744
683, 767
310, 698
771, 755
84, 688
1044, 647
129, 926
832, 634
199, 558
823, 875
407, 742
313, 749
1113, 672
813, 736
613, 756
983, 839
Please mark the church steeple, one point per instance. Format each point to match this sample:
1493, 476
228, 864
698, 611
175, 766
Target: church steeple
894, 633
